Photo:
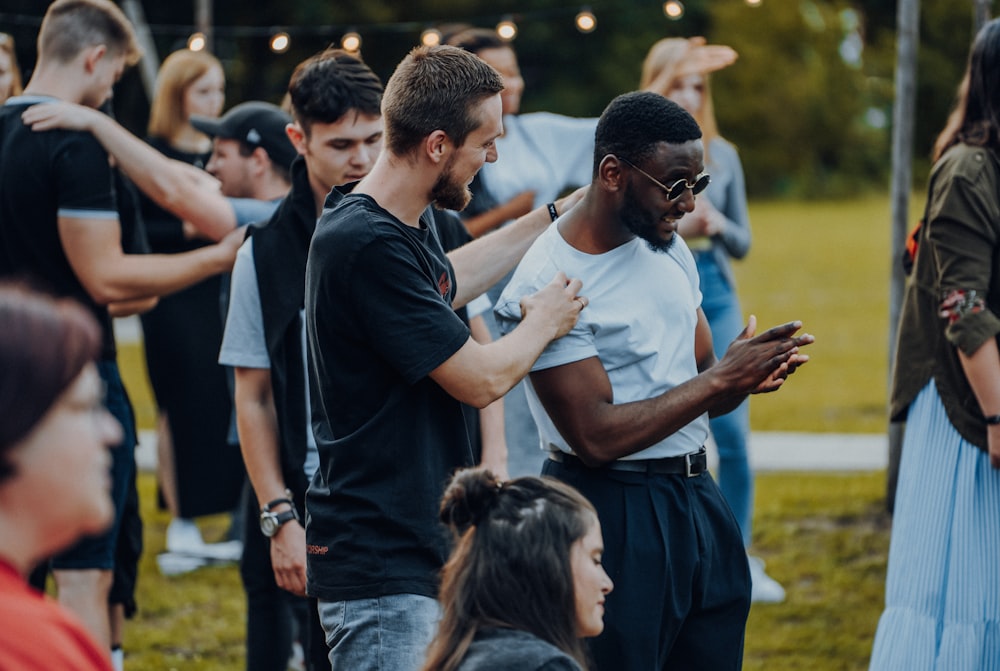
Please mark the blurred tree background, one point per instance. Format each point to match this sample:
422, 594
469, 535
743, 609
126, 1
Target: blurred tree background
808, 103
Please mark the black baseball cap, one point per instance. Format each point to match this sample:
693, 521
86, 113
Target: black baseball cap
258, 124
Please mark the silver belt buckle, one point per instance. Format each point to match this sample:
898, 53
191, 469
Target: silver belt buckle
687, 465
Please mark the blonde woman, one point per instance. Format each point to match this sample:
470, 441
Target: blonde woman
10, 74
199, 471
717, 230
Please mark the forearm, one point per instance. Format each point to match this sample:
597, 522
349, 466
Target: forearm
482, 263
257, 423
478, 374
127, 277
619, 430
134, 307
171, 184
491, 219
982, 370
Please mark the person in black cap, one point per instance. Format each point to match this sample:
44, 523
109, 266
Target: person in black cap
251, 152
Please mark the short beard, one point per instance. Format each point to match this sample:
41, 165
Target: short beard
447, 194
635, 220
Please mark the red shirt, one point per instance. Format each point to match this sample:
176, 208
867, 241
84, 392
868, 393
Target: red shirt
37, 634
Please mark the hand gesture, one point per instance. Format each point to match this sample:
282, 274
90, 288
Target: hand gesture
761, 363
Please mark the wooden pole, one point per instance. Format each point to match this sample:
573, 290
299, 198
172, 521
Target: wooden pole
203, 22
907, 43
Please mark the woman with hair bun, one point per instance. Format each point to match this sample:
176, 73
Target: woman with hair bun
524, 583
54, 471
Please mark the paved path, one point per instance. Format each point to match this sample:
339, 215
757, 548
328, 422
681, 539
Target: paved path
776, 451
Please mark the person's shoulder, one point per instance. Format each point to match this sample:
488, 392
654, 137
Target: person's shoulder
512, 649
967, 161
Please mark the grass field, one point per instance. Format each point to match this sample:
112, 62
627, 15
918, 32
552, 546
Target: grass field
824, 536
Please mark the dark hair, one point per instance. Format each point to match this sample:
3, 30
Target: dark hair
475, 40
435, 88
511, 564
44, 344
976, 117
634, 123
330, 84
70, 26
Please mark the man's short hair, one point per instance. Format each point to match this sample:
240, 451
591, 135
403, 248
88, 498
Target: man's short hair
634, 123
475, 40
330, 84
435, 88
70, 26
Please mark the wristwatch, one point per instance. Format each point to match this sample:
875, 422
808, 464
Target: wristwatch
270, 521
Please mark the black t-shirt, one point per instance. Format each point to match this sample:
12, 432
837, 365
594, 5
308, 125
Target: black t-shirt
42, 176
379, 320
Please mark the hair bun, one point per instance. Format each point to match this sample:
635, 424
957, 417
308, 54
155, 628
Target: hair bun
470, 496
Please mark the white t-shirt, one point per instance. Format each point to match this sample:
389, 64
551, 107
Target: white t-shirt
640, 321
243, 341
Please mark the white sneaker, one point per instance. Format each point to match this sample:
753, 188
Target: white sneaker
184, 537
764, 588
227, 551
171, 563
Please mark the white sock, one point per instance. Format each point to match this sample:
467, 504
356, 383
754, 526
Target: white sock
117, 659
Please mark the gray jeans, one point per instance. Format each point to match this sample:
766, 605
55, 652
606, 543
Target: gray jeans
388, 633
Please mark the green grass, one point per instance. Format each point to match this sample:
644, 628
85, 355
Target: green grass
825, 537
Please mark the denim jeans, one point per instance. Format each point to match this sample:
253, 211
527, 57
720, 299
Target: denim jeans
730, 431
387, 633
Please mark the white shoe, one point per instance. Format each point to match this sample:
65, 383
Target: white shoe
171, 563
184, 537
764, 588
227, 551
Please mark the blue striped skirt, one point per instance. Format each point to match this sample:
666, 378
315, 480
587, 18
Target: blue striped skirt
942, 593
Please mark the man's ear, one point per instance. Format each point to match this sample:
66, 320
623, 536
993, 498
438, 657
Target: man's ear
93, 55
437, 145
261, 161
609, 173
296, 136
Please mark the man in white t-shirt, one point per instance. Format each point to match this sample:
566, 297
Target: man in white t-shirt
622, 401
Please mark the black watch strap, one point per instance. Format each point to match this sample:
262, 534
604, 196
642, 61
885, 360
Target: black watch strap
992, 419
287, 498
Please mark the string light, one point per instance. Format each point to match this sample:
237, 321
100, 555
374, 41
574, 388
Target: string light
430, 37
507, 29
351, 42
673, 9
197, 42
754, 3
586, 22
280, 42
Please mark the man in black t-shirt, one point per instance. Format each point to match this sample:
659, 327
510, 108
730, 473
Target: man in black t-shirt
391, 362
59, 229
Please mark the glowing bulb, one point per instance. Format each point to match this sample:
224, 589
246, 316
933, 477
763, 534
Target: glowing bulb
507, 30
430, 37
197, 42
351, 42
754, 3
280, 42
586, 22
673, 9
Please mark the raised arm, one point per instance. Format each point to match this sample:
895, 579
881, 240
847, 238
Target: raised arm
188, 192
579, 397
483, 262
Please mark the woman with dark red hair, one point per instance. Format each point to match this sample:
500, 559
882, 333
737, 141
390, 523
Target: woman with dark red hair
54, 471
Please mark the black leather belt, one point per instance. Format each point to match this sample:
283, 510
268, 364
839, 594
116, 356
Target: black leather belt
692, 464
